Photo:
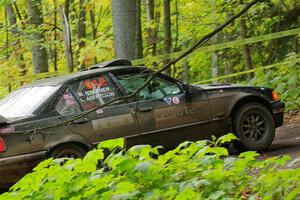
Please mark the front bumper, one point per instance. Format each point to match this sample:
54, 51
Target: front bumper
278, 113
14, 168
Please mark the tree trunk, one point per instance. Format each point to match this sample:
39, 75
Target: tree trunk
67, 7
93, 23
228, 55
17, 44
124, 28
151, 39
55, 37
167, 31
18, 13
7, 50
246, 48
68, 33
296, 46
185, 66
156, 28
177, 26
214, 54
67, 39
139, 38
94, 28
214, 61
81, 29
39, 52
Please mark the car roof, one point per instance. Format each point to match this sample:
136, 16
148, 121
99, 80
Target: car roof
62, 79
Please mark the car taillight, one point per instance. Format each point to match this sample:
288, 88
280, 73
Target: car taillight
3, 147
9, 129
275, 96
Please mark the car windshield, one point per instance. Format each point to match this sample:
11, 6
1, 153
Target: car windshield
23, 102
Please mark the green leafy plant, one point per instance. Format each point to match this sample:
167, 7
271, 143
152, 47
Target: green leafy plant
284, 80
194, 170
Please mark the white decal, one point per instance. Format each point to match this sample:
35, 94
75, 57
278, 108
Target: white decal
168, 100
80, 94
99, 111
100, 96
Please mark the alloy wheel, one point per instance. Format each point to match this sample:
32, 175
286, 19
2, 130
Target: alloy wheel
253, 126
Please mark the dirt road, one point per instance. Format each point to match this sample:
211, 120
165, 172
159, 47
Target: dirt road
287, 139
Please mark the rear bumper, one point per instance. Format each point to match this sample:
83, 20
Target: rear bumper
278, 113
14, 168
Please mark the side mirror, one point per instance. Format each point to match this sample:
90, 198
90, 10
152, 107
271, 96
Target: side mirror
191, 92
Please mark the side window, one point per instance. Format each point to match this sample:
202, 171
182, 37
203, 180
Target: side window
67, 105
158, 88
93, 92
167, 87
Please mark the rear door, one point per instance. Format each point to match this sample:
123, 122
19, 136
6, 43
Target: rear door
110, 122
165, 115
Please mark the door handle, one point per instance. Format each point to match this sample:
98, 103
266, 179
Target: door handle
145, 109
80, 121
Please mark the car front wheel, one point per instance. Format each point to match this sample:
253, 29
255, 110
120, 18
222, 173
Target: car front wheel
254, 125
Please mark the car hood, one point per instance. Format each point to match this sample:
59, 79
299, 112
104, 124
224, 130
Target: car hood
3, 120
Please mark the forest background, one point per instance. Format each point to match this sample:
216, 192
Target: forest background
62, 36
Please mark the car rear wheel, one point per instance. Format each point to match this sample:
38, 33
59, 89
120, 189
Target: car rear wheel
254, 125
68, 151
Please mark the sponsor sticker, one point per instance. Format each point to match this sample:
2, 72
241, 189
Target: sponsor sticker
95, 94
99, 111
7, 130
175, 100
69, 99
168, 100
97, 82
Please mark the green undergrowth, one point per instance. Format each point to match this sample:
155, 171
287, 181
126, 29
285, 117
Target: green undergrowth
194, 170
285, 80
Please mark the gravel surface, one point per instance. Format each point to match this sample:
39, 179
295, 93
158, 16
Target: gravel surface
287, 139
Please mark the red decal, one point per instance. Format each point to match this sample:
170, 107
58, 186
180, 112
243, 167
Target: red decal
100, 82
95, 82
103, 82
88, 85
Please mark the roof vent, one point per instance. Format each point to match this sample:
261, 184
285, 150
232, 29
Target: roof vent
112, 63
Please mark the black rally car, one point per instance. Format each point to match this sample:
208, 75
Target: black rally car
166, 112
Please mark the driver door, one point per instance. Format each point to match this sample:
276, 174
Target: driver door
164, 113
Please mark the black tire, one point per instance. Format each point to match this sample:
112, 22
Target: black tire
254, 125
68, 151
